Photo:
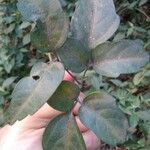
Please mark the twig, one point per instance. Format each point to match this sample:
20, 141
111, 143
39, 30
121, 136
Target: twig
73, 76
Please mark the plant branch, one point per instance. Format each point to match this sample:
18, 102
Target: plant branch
73, 77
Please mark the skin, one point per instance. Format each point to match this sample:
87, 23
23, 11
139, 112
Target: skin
27, 134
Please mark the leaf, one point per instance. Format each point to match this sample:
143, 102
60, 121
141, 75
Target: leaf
26, 39
74, 55
142, 2
133, 120
94, 21
138, 78
52, 23
8, 82
113, 59
145, 127
32, 92
64, 97
62, 133
144, 115
100, 114
52, 35
33, 10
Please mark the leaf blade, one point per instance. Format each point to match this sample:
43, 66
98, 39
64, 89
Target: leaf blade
63, 133
113, 59
64, 97
92, 27
52, 23
74, 55
32, 93
104, 118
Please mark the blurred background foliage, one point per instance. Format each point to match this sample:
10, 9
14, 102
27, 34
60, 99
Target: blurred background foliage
17, 56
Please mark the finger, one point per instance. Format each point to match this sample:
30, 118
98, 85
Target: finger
40, 119
80, 100
81, 126
91, 141
46, 112
67, 77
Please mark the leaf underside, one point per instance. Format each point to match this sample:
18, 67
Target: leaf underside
113, 59
32, 92
97, 23
51, 23
100, 114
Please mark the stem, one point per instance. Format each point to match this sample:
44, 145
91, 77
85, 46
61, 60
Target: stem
56, 55
84, 75
73, 76
49, 56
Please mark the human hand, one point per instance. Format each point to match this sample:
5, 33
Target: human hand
27, 134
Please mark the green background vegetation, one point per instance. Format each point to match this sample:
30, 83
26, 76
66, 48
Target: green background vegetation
17, 56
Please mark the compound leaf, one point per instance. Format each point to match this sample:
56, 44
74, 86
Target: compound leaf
94, 21
62, 133
100, 113
64, 97
74, 55
113, 59
32, 92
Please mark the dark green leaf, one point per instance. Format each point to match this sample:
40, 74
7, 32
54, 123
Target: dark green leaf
74, 55
64, 97
52, 23
100, 114
62, 133
50, 35
113, 59
94, 21
32, 92
33, 10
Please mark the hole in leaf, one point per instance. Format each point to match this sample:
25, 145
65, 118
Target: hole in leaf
36, 77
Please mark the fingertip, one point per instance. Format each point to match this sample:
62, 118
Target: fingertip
81, 126
67, 77
47, 112
91, 141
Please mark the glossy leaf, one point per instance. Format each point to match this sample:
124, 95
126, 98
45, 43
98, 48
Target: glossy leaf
94, 21
100, 114
62, 133
113, 59
64, 97
32, 92
74, 55
52, 23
